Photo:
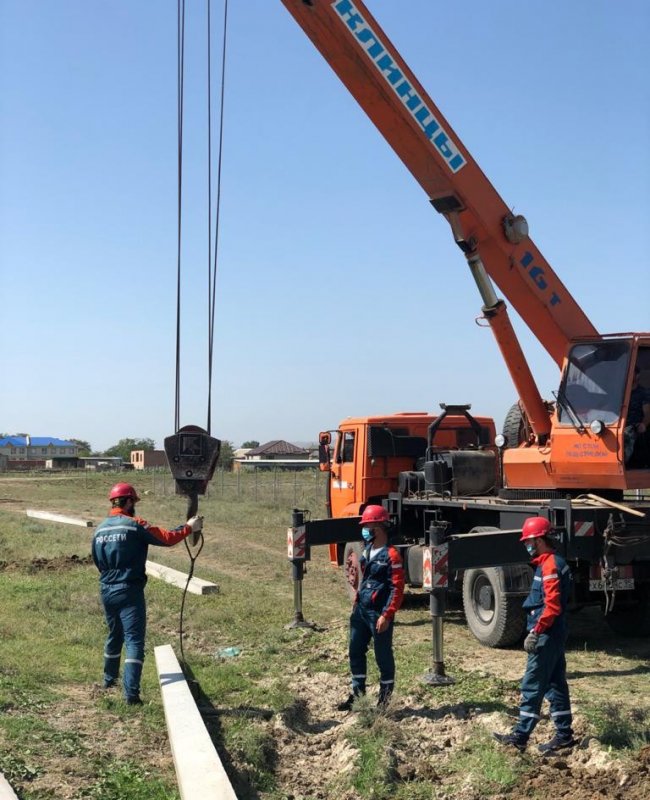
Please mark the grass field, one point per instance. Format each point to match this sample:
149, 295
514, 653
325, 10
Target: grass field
270, 710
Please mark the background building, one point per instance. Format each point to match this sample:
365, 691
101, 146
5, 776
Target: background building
275, 454
32, 452
144, 459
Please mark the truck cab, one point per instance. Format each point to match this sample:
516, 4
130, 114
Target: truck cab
376, 455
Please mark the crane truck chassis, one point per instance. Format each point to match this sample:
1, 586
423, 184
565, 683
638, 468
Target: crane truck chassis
451, 539
456, 493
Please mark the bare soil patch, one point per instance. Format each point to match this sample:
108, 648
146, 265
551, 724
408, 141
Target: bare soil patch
46, 564
314, 749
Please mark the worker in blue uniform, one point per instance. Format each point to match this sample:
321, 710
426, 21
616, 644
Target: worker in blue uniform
379, 596
545, 675
119, 549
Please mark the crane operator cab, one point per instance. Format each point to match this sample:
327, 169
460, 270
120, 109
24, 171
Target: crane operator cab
604, 398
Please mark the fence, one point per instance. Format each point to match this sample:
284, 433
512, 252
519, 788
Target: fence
272, 486
276, 487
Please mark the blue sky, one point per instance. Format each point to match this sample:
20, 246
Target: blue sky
340, 291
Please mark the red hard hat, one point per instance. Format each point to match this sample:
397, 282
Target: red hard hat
374, 514
534, 527
123, 490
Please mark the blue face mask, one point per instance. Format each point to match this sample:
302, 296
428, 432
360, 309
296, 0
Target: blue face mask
530, 549
368, 535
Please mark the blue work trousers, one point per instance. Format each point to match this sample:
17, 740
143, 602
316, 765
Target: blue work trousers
126, 616
362, 631
545, 677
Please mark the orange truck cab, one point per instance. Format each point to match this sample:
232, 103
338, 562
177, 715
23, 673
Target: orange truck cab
373, 454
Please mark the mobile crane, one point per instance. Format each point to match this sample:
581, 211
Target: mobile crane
458, 495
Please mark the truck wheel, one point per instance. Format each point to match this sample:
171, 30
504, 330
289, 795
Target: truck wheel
495, 618
515, 426
632, 619
351, 570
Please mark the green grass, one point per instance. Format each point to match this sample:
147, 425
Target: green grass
123, 780
52, 631
620, 728
480, 763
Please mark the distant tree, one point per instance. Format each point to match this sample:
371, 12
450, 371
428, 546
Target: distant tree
124, 446
251, 443
84, 447
226, 454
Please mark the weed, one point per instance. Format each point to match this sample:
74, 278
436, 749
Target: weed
122, 780
16, 769
375, 766
255, 746
619, 728
481, 763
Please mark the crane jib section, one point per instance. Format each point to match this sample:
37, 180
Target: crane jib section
361, 54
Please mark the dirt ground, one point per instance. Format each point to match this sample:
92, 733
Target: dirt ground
312, 747
314, 744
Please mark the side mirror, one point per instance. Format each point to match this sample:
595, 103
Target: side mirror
324, 462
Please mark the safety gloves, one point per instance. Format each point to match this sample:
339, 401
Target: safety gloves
195, 523
530, 642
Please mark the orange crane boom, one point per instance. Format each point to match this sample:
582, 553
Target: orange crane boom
361, 54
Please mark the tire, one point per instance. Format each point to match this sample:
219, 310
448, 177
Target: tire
515, 427
632, 619
496, 619
351, 556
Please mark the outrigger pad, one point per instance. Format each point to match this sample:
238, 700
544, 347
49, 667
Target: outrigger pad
192, 455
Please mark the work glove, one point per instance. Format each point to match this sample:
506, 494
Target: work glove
530, 642
195, 523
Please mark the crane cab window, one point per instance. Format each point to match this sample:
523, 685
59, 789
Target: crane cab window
594, 383
637, 423
346, 448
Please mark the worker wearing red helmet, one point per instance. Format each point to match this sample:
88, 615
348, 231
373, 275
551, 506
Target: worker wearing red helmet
120, 546
545, 674
379, 595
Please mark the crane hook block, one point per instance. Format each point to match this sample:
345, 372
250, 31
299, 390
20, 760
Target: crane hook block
192, 455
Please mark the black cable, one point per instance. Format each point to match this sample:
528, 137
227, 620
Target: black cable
212, 271
189, 578
180, 63
212, 279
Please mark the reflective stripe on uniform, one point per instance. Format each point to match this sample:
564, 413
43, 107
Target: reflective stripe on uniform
133, 661
108, 655
560, 713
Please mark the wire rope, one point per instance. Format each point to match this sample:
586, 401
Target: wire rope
180, 66
212, 263
212, 268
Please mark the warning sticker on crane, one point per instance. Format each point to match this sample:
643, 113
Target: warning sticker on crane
296, 542
440, 556
427, 573
584, 528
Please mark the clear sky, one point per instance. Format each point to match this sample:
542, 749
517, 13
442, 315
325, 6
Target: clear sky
340, 291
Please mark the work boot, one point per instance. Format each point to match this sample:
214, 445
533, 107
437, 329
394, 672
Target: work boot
134, 701
559, 742
109, 684
384, 699
347, 704
512, 740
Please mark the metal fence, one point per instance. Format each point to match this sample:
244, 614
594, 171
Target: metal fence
273, 486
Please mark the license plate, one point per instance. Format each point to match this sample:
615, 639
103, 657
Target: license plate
619, 584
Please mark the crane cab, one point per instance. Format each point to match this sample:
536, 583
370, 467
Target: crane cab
597, 437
